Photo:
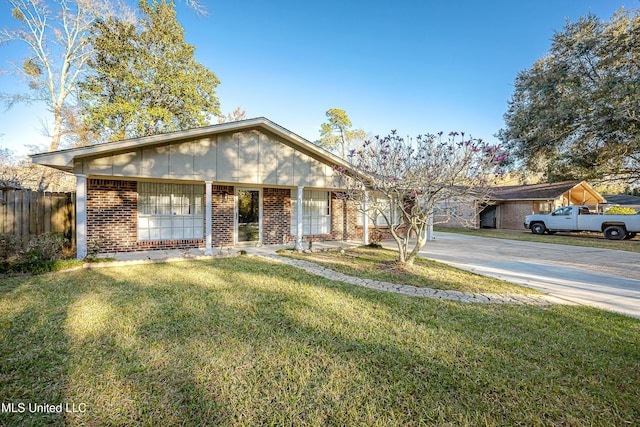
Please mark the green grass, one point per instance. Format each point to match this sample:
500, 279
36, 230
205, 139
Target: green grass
38, 266
242, 341
586, 239
379, 264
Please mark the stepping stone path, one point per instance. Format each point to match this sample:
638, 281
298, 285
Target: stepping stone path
470, 297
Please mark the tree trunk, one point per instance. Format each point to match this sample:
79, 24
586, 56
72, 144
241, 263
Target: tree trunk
57, 130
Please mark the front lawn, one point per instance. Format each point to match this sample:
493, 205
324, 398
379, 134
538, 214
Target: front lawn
244, 341
379, 264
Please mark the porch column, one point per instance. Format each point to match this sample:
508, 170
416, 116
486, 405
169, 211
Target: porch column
208, 209
365, 220
299, 213
430, 226
81, 216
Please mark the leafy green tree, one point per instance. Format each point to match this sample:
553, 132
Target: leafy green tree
145, 81
337, 133
620, 210
576, 112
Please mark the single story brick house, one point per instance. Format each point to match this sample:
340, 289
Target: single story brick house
509, 205
221, 185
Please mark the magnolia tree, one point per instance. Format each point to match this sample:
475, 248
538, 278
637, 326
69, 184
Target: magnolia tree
404, 181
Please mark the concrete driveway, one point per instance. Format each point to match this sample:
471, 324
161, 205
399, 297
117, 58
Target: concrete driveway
601, 278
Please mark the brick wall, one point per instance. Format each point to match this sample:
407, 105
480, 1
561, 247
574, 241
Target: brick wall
276, 215
465, 215
511, 215
112, 219
379, 233
222, 215
344, 217
112, 209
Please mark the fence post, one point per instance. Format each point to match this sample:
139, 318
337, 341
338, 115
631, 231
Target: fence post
10, 211
3, 211
33, 213
24, 216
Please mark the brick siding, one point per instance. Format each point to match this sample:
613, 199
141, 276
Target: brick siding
344, 217
222, 215
112, 218
467, 215
276, 215
511, 215
112, 208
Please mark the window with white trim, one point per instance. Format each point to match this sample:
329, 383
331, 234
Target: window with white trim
316, 212
377, 219
170, 211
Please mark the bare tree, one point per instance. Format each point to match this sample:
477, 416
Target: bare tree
21, 173
234, 116
396, 176
56, 35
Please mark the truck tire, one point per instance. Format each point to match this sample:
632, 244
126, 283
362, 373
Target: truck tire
615, 232
538, 228
630, 236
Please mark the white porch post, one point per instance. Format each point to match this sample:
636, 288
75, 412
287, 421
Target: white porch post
365, 220
81, 216
299, 215
208, 210
430, 226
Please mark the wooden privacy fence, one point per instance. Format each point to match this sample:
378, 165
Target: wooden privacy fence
26, 213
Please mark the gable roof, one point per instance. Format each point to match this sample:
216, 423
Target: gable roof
544, 191
623, 199
64, 159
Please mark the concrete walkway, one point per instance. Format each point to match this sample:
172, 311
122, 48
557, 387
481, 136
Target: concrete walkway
469, 297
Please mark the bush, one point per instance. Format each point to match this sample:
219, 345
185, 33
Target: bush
39, 256
9, 246
620, 210
375, 237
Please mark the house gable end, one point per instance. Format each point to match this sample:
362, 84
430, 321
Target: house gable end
251, 156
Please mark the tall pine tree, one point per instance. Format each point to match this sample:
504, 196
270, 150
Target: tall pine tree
145, 80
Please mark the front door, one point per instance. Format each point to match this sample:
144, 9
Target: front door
248, 216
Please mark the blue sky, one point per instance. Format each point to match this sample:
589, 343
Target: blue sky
413, 66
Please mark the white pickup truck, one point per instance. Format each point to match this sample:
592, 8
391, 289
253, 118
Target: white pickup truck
579, 218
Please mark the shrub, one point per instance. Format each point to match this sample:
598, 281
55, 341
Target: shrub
9, 246
39, 256
620, 210
94, 246
375, 237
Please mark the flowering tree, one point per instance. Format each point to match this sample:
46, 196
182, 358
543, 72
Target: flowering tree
413, 178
